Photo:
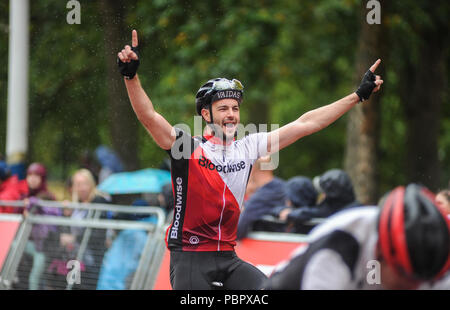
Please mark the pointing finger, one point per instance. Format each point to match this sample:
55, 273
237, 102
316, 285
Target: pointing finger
375, 65
134, 38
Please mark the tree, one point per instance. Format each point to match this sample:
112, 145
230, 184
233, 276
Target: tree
422, 92
363, 123
122, 121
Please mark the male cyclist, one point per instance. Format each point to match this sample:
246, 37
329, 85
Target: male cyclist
402, 244
210, 173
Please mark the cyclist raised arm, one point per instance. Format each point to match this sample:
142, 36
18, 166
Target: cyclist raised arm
317, 119
157, 126
210, 177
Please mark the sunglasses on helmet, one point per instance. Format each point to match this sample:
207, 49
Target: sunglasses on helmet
224, 84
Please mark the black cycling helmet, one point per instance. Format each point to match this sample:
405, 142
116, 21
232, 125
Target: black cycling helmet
414, 234
217, 89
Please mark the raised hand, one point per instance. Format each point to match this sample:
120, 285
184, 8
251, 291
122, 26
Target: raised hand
370, 82
128, 58
378, 80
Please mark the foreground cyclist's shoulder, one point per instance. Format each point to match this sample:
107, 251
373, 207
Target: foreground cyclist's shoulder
358, 221
356, 213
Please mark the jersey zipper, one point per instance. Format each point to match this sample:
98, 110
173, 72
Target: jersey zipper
223, 203
221, 214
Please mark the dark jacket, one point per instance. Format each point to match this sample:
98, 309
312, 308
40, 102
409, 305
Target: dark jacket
339, 194
300, 191
261, 203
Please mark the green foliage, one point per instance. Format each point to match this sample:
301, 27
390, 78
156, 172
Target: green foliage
292, 56
283, 53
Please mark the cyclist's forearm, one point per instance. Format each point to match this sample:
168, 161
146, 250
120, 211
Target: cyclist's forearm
157, 126
320, 118
310, 122
140, 102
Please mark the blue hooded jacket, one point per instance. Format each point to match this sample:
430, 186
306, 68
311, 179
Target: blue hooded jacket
261, 203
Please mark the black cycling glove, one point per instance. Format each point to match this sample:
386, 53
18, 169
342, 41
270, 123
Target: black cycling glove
129, 69
367, 85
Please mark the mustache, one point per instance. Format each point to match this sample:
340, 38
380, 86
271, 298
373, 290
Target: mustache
234, 121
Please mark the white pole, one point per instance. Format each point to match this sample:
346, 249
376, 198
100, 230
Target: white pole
17, 117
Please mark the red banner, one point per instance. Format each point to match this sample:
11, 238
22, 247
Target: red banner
7, 233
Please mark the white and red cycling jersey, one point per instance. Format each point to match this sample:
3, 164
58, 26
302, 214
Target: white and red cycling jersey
209, 181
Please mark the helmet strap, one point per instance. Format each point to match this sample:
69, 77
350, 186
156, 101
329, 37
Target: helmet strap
210, 124
210, 114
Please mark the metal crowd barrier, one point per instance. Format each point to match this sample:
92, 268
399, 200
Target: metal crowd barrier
270, 222
88, 249
311, 222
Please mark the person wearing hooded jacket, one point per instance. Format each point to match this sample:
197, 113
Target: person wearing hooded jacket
121, 260
36, 247
269, 192
109, 161
402, 243
337, 189
300, 192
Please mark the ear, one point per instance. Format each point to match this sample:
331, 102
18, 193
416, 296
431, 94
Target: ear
205, 114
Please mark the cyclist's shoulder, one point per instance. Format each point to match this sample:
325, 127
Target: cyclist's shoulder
358, 222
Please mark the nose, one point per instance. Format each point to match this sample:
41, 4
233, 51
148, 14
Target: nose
230, 113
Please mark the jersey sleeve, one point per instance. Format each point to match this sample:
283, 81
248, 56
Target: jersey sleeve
256, 144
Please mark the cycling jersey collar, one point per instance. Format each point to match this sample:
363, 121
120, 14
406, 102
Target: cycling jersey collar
215, 140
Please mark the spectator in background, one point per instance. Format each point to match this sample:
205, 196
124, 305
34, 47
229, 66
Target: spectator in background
37, 182
122, 258
166, 198
269, 193
11, 188
300, 192
36, 247
406, 235
84, 190
109, 161
66, 248
88, 161
443, 200
165, 164
337, 192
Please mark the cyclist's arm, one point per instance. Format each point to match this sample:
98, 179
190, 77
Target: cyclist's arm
320, 118
309, 123
157, 126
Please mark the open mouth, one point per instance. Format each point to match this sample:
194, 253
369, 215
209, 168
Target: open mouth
229, 126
